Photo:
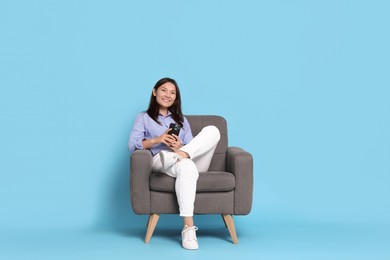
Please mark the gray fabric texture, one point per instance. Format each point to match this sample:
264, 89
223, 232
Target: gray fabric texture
240, 163
140, 170
205, 203
207, 182
226, 188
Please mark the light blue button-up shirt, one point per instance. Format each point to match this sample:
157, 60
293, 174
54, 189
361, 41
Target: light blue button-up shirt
146, 128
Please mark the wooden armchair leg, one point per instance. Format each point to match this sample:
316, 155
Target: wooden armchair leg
223, 218
152, 222
230, 225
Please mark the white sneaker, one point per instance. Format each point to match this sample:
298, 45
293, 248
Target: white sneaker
188, 238
169, 158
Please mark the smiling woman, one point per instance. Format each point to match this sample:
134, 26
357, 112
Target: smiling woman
165, 96
178, 155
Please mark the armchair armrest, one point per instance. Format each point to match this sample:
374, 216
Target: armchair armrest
140, 171
240, 163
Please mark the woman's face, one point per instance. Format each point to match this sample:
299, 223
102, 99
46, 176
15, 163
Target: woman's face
165, 95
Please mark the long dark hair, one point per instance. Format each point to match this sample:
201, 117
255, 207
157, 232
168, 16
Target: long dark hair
175, 109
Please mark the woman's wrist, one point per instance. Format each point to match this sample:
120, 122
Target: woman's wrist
154, 141
149, 143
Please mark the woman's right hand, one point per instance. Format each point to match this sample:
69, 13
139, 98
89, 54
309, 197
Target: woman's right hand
166, 138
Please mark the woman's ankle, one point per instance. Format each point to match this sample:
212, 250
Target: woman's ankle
183, 154
188, 221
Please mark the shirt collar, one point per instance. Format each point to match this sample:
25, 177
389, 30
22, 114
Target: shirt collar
169, 114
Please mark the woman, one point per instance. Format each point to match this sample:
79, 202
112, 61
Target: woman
180, 156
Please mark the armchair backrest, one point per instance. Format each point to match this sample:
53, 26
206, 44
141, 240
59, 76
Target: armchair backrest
197, 122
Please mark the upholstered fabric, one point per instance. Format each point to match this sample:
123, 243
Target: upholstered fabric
207, 182
226, 188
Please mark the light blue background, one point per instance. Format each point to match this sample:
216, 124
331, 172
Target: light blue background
304, 86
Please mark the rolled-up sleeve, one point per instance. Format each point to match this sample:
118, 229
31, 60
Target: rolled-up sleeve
137, 134
187, 136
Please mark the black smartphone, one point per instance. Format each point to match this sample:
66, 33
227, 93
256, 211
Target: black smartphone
175, 129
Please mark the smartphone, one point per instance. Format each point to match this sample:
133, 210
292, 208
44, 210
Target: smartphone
175, 129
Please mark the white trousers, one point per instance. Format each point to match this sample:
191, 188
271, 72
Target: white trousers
186, 171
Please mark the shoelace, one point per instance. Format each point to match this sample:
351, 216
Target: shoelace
188, 234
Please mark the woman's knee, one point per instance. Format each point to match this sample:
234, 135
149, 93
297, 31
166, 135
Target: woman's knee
187, 167
212, 131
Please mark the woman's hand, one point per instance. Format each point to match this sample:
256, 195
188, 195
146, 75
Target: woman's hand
167, 139
175, 145
172, 141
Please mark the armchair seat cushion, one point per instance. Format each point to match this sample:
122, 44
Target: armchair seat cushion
212, 181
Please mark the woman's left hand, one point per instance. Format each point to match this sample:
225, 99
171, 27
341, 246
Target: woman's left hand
175, 145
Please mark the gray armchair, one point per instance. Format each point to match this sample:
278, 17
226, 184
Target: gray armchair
225, 189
